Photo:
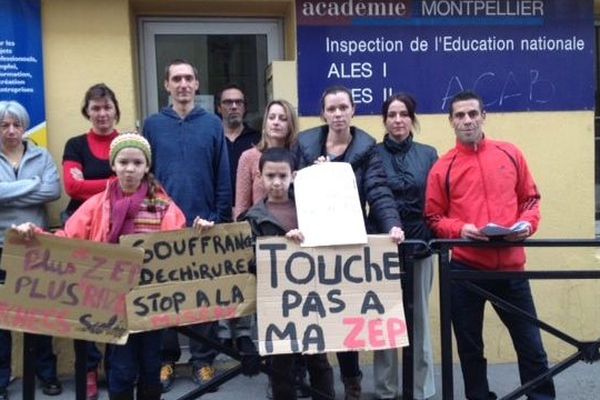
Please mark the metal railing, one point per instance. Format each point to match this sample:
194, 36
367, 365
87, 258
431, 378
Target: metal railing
587, 351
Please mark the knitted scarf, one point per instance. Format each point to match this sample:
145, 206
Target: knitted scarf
123, 210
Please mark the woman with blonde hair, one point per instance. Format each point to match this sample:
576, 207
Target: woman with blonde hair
279, 129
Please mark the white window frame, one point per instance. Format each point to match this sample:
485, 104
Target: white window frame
148, 27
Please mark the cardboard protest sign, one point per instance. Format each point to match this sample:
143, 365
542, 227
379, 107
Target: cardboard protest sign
329, 299
190, 277
328, 205
67, 287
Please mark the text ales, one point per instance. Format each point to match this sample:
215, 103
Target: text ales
323, 299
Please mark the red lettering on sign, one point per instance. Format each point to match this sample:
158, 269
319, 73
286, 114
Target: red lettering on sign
380, 333
396, 328
224, 312
352, 341
34, 320
132, 271
376, 333
80, 254
102, 298
91, 273
191, 316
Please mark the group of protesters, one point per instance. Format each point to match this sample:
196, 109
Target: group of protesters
188, 167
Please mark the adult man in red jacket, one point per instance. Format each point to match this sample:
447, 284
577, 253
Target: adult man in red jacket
478, 182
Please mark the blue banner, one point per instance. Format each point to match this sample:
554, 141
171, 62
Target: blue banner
520, 55
21, 62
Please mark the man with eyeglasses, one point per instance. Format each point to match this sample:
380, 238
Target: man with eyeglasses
231, 106
189, 158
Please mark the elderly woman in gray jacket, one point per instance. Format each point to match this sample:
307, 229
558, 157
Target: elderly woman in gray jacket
28, 180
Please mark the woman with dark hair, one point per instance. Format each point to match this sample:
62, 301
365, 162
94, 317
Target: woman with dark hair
407, 164
86, 171
339, 141
28, 180
85, 160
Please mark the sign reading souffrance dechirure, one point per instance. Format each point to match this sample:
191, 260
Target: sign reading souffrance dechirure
190, 277
520, 55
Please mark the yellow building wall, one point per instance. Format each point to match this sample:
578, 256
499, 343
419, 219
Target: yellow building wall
559, 147
88, 41
85, 42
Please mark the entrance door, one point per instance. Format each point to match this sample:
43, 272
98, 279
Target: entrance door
223, 50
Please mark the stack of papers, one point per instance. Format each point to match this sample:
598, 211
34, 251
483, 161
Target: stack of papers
492, 229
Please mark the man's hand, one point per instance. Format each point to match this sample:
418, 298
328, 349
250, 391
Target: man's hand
517, 237
295, 236
470, 231
25, 230
397, 235
322, 159
202, 225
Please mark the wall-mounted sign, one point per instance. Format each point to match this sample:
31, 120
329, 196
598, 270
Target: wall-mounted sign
21, 63
520, 55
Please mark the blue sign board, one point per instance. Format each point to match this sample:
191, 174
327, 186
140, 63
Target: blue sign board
21, 62
520, 55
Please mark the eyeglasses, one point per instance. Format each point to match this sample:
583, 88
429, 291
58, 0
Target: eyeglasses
232, 102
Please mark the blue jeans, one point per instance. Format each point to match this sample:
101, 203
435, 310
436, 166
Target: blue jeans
45, 360
93, 356
201, 354
138, 361
467, 320
235, 328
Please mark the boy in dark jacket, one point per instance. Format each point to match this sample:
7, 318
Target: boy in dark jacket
276, 216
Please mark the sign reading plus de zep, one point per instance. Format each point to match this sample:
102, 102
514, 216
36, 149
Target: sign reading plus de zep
520, 55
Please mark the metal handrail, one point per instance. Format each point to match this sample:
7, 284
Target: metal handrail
587, 351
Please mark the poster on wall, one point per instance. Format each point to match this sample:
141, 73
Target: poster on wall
21, 62
520, 55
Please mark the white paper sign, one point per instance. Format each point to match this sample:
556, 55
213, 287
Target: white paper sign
328, 205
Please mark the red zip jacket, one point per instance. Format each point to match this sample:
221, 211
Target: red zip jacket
489, 183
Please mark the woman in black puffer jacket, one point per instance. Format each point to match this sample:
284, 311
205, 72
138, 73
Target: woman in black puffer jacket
339, 141
407, 164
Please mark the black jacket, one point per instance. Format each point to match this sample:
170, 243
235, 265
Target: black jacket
262, 222
407, 165
362, 155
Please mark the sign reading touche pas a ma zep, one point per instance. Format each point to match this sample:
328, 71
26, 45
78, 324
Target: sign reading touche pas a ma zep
514, 53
